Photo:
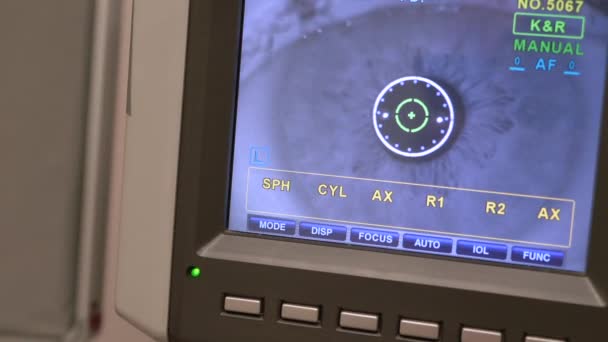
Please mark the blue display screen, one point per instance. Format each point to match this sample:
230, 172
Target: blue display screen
466, 129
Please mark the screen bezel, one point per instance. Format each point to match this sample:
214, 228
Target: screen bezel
203, 188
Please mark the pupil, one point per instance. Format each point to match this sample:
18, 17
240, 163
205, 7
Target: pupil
414, 117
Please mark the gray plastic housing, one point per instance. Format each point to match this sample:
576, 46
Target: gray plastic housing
191, 213
158, 53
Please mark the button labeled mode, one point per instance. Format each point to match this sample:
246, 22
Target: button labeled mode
323, 231
271, 225
482, 250
537, 256
374, 237
427, 243
244, 306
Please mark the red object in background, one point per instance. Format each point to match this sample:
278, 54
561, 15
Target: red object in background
95, 318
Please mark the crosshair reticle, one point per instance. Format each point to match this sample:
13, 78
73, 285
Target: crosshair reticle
414, 117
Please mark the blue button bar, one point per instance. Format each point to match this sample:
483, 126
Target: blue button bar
427, 243
537, 256
323, 231
270, 225
374, 237
482, 250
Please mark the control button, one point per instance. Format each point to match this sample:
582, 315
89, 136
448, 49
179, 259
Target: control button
477, 335
482, 250
300, 313
537, 256
416, 329
541, 339
323, 231
374, 237
359, 321
270, 225
427, 243
243, 306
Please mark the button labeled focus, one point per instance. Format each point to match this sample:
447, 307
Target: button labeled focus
323, 231
427, 243
482, 250
537, 256
374, 237
270, 225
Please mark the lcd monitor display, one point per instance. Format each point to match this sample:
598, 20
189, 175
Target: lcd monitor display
461, 128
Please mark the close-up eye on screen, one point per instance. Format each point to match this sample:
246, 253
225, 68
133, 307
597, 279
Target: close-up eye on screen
465, 128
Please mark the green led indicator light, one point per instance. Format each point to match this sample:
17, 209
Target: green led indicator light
194, 272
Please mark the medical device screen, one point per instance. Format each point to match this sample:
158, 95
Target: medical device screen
462, 128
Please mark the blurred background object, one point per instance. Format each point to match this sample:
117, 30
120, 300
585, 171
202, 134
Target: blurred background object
62, 101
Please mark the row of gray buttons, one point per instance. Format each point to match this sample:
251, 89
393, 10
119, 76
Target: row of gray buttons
371, 323
253, 307
348, 320
478, 335
364, 322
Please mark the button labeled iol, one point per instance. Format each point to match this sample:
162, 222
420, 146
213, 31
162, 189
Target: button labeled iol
482, 250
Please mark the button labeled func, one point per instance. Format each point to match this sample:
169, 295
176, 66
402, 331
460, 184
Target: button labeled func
271, 225
537, 256
482, 250
323, 231
427, 243
374, 237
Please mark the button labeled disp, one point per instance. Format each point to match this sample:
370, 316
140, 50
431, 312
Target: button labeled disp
374, 237
537, 256
270, 225
427, 243
323, 231
482, 250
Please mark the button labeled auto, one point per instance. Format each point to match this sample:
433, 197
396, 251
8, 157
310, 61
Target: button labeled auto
427, 243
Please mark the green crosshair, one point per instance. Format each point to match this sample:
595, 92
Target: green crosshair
412, 115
